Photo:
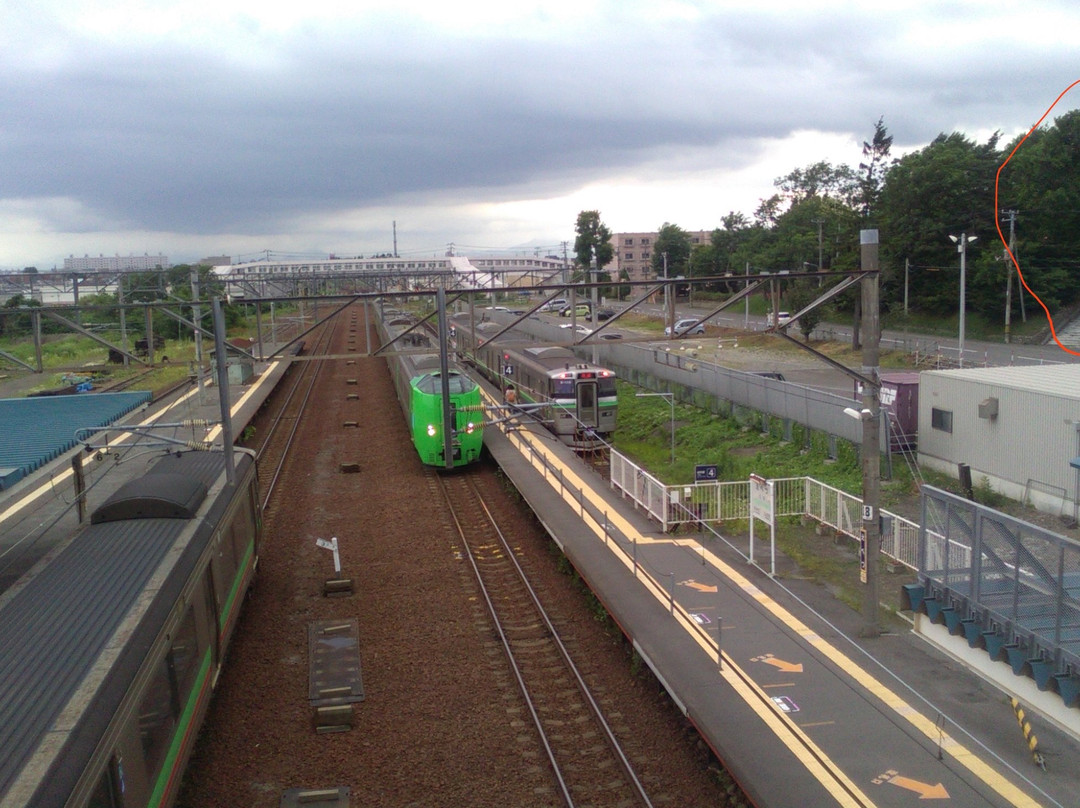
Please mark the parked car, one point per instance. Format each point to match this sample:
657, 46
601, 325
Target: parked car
782, 319
603, 314
558, 304
581, 310
686, 326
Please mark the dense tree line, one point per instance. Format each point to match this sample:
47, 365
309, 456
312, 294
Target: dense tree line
916, 202
99, 312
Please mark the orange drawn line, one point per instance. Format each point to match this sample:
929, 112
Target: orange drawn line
997, 219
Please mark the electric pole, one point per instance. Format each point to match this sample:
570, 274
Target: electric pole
1009, 270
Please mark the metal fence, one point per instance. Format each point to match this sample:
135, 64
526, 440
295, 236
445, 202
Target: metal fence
1016, 584
713, 502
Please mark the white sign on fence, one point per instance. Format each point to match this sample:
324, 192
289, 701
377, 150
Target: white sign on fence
762, 506
761, 499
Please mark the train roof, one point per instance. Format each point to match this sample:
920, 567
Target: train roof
76, 629
551, 352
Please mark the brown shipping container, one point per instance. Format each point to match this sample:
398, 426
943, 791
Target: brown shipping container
900, 398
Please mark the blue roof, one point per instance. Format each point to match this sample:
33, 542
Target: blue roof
40, 429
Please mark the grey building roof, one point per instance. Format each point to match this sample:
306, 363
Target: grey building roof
1062, 381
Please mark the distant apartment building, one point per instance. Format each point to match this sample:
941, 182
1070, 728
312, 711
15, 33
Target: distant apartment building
634, 252
116, 263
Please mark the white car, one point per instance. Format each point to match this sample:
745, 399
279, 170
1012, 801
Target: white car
782, 319
688, 325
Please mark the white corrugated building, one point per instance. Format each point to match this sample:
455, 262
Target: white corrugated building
1019, 427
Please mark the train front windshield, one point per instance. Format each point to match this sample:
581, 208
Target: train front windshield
562, 388
432, 384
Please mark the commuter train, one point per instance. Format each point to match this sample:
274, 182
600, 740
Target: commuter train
575, 399
113, 645
419, 384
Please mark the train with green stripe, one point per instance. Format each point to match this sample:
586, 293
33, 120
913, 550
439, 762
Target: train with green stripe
112, 644
574, 398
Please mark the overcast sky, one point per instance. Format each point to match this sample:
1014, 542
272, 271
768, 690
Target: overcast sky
208, 127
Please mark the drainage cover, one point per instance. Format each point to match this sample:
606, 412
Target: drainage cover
316, 798
334, 663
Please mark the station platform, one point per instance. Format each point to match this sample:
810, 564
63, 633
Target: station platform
772, 673
40, 512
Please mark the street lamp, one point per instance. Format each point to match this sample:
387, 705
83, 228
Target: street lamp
859, 415
671, 401
961, 243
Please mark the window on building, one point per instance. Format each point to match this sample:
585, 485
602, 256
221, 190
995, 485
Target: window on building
628, 257
628, 242
646, 241
941, 419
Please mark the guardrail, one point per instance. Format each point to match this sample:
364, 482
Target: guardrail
702, 503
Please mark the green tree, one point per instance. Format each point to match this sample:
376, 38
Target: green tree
14, 320
946, 188
875, 165
821, 179
672, 246
802, 294
593, 243
730, 244
1041, 183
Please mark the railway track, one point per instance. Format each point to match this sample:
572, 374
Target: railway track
586, 763
285, 408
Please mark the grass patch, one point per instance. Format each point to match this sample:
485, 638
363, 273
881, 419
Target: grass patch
736, 448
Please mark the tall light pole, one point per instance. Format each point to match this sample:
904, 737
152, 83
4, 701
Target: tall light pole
870, 453
671, 401
961, 243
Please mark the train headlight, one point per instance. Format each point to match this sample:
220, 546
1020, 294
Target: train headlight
469, 427
431, 430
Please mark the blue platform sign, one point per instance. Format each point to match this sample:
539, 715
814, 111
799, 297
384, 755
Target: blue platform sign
706, 473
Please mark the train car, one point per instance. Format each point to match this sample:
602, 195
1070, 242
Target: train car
577, 399
112, 645
419, 384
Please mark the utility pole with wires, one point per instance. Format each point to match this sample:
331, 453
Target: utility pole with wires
1011, 214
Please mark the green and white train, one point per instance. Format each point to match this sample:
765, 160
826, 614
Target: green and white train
416, 368
112, 646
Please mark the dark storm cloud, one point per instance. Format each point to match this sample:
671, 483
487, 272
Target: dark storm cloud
188, 139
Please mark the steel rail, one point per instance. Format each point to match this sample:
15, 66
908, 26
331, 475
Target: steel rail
552, 632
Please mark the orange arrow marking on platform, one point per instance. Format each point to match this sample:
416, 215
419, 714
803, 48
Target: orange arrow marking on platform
779, 664
699, 587
924, 790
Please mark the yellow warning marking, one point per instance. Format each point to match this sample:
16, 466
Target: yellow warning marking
699, 587
971, 761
